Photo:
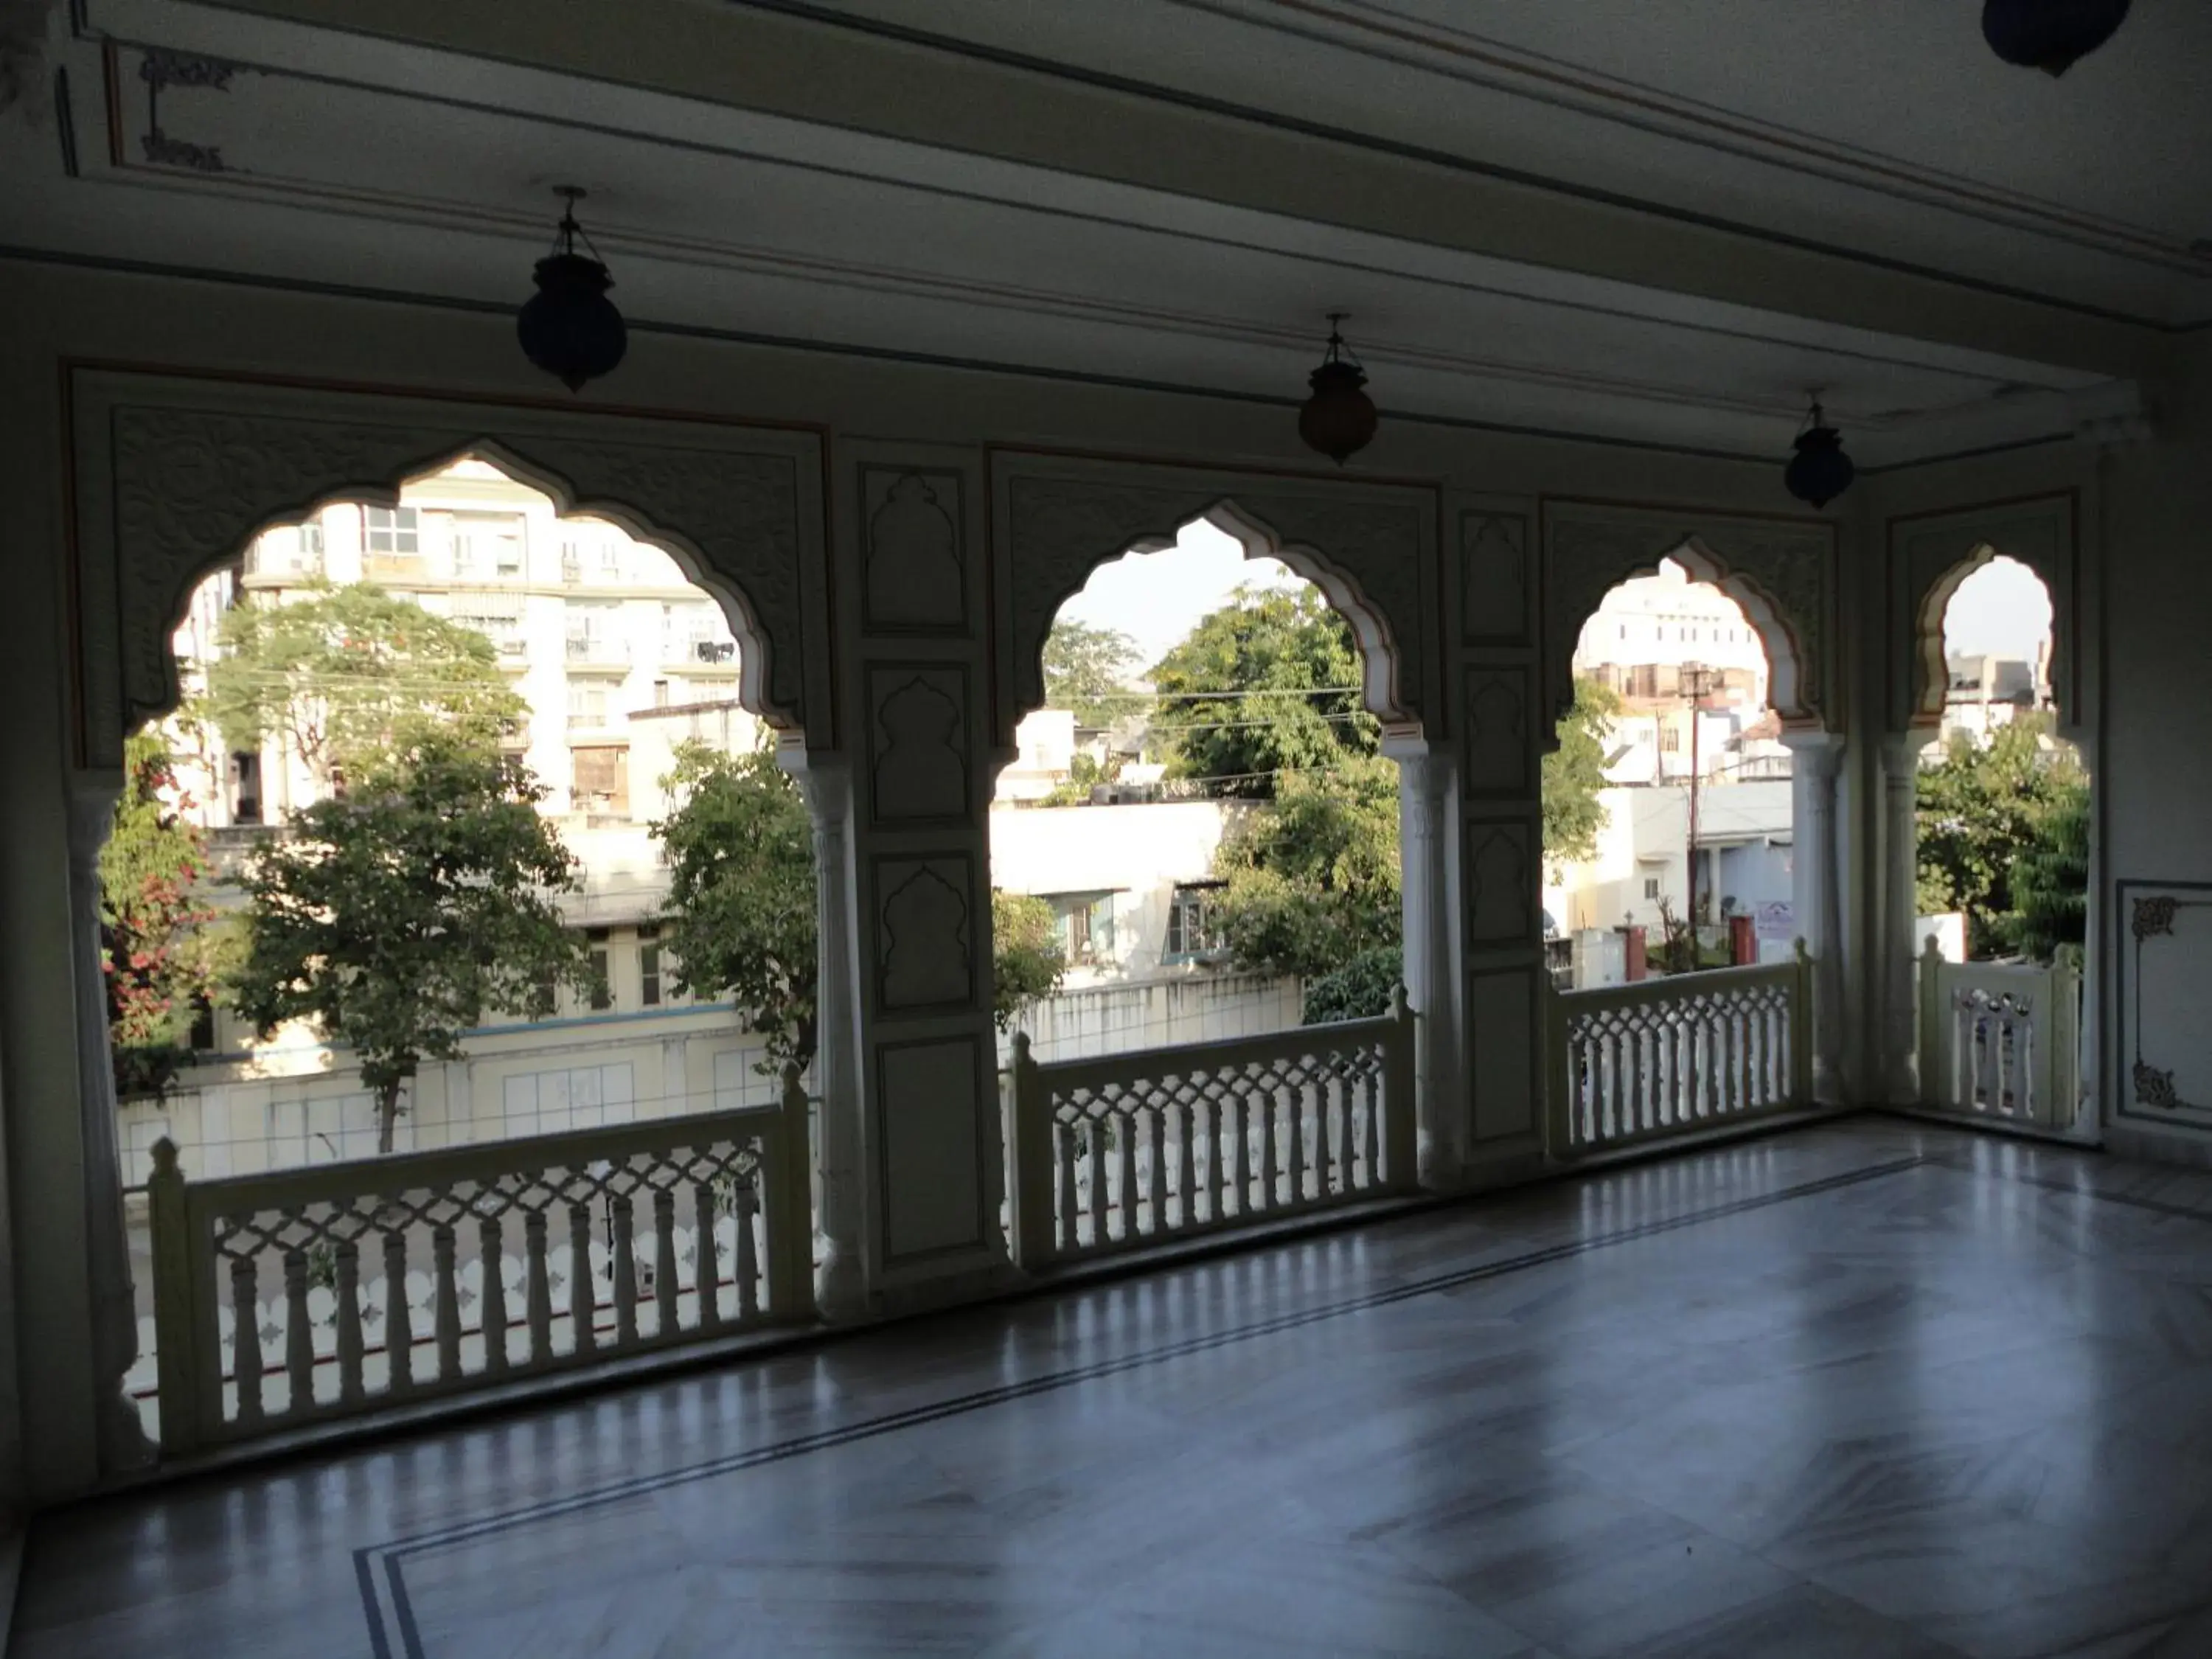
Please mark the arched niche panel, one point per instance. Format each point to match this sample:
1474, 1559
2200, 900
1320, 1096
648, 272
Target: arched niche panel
1780, 571
1930, 556
1370, 549
174, 476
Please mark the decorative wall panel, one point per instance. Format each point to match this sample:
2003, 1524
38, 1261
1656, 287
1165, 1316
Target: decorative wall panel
1504, 1030
915, 577
920, 766
2165, 985
925, 939
1501, 758
1494, 577
1501, 890
933, 1149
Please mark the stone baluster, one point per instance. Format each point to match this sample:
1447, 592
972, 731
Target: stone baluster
706, 1267
398, 1328
747, 1253
349, 1345
298, 1333
446, 1304
538, 1286
583, 1292
492, 1255
663, 1260
246, 1339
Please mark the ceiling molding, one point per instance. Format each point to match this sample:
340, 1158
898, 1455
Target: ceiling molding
910, 35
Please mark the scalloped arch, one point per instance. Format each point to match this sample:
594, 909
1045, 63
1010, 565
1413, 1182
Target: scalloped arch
1365, 554
170, 490
1778, 572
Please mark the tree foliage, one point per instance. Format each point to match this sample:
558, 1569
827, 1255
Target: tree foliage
1360, 989
1026, 961
1264, 688
347, 674
1981, 808
2050, 879
1312, 880
742, 903
1087, 669
741, 897
1574, 775
397, 916
157, 954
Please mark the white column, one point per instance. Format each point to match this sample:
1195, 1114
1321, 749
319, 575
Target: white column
1425, 847
1816, 758
840, 1277
123, 1442
1900, 842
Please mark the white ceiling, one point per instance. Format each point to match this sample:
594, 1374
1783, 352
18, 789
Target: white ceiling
1881, 125
328, 158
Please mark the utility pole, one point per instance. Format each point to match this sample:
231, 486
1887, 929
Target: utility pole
1697, 683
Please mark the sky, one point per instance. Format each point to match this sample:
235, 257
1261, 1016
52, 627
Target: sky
2000, 610
1156, 598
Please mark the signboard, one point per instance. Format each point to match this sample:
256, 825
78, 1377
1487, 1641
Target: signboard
1777, 923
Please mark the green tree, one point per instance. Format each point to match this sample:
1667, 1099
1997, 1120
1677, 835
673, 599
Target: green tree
1269, 685
397, 916
1311, 881
2050, 879
346, 674
741, 895
741, 903
1360, 989
1980, 807
156, 954
1026, 961
1087, 669
1574, 775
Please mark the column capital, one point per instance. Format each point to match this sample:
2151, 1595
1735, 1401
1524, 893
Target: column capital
825, 778
1819, 754
1901, 752
92, 799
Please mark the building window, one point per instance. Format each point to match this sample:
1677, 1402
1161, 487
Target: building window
1084, 922
1670, 739
393, 530
660, 693
601, 780
648, 967
583, 1098
602, 987
1643, 680
1651, 887
571, 562
1194, 926
587, 707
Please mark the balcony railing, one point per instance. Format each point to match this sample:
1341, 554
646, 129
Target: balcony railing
1136, 1149
2000, 1040
289, 1298
1633, 1064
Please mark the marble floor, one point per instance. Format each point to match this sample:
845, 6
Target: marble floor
1865, 1390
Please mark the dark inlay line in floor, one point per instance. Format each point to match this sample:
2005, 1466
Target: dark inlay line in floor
394, 1551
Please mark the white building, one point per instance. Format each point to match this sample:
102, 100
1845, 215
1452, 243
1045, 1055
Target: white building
593, 626
1745, 852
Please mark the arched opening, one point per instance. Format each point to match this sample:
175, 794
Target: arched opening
1197, 840
2003, 802
1669, 840
1202, 807
467, 828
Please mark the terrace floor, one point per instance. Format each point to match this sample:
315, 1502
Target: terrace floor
1866, 1389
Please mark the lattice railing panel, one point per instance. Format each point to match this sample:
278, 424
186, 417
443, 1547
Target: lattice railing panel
1139, 1148
1998, 1040
1638, 1062
286, 1299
